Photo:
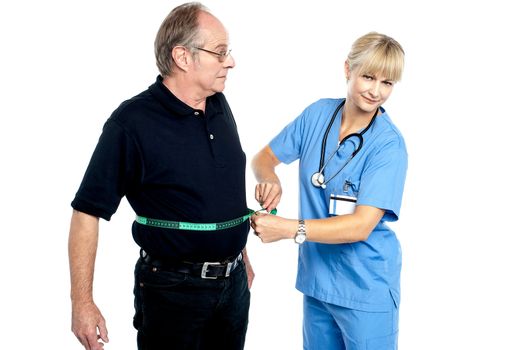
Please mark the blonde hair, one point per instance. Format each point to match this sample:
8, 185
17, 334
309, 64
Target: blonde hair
376, 53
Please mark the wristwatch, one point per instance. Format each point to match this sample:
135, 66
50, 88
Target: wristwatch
301, 234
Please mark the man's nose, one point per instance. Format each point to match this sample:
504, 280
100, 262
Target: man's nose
230, 62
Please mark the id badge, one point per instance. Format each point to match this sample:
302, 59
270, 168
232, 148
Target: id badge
342, 205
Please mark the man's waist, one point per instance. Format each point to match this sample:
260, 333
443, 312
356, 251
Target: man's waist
193, 246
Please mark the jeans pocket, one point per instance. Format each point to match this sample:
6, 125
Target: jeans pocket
158, 296
152, 277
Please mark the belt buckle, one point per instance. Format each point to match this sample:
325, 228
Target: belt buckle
204, 270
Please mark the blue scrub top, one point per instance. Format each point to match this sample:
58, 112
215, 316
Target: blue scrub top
361, 275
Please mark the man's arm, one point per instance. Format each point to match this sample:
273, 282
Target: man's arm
87, 322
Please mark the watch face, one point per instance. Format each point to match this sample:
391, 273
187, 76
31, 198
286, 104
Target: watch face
299, 239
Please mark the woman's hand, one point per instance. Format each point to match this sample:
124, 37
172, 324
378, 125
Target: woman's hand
268, 194
271, 228
268, 189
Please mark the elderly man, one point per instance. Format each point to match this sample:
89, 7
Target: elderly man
174, 152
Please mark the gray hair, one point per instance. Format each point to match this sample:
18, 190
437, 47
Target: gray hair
180, 27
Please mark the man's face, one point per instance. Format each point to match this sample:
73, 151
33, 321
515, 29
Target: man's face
210, 70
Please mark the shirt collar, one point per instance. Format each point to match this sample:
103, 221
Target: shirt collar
175, 105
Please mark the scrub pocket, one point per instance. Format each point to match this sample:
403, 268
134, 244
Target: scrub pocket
389, 342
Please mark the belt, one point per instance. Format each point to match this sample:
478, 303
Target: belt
207, 270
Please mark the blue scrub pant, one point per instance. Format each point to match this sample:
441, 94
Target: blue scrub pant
331, 327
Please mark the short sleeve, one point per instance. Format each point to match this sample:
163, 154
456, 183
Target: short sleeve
110, 173
288, 143
383, 179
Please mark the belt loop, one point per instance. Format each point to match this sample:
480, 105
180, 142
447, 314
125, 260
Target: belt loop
228, 268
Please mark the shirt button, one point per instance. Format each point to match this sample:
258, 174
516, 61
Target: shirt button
196, 114
211, 136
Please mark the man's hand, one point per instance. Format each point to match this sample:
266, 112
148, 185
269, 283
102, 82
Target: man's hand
89, 326
248, 266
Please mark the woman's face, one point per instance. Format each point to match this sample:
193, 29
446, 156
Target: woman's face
368, 91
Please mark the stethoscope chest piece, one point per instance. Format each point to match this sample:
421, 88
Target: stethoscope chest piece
318, 180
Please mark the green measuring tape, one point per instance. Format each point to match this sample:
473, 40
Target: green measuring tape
191, 226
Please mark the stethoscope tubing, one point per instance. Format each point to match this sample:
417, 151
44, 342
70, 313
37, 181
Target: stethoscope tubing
316, 179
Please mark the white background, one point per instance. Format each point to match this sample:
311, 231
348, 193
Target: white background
66, 65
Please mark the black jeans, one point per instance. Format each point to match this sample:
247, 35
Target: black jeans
174, 310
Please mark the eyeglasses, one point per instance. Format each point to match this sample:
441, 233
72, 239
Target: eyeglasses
221, 56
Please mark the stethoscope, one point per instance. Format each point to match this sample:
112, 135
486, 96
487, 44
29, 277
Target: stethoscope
318, 179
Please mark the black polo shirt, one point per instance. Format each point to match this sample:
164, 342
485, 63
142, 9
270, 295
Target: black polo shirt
172, 162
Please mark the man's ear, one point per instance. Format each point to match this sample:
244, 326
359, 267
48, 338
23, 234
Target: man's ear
180, 56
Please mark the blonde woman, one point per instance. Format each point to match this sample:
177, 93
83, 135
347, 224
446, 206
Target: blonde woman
353, 163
